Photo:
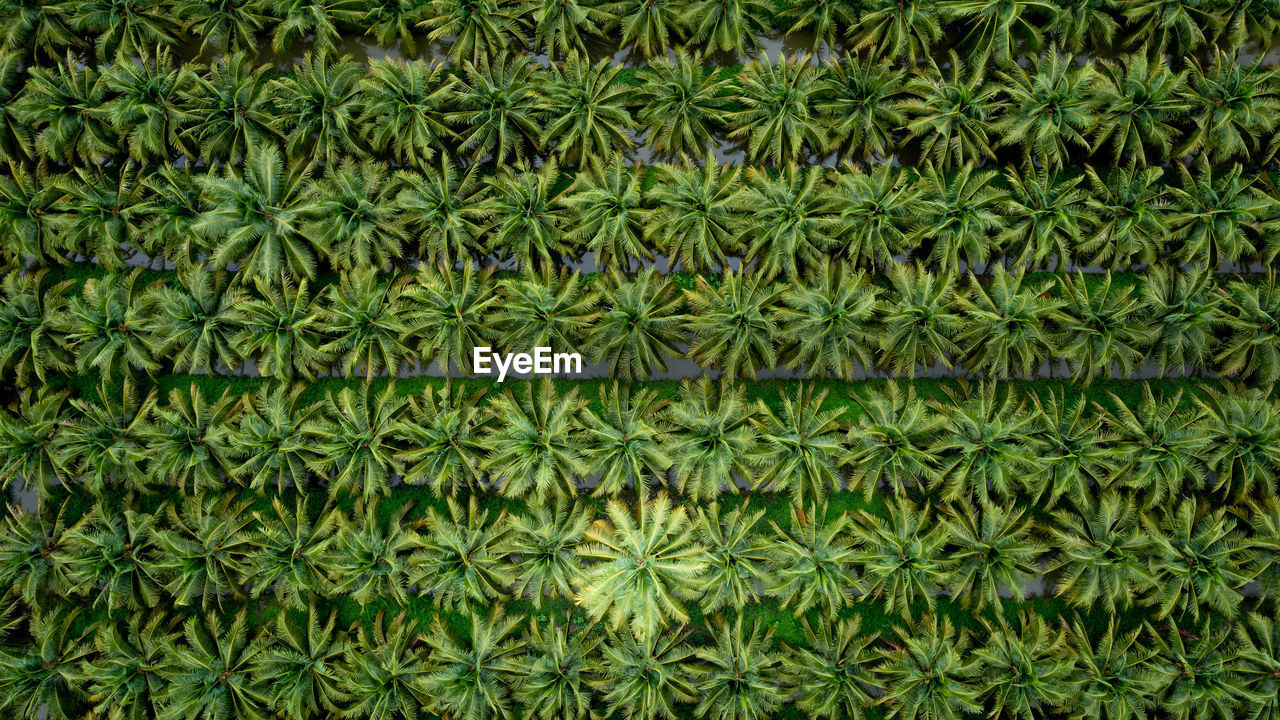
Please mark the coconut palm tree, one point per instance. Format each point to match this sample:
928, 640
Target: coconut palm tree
900, 555
984, 445
472, 675
682, 104
302, 665
1216, 215
255, 217
1243, 425
291, 558
957, 216
553, 681
42, 676
1257, 660
102, 213
1100, 553
445, 210
202, 550
190, 439
110, 553
1001, 29
194, 322
1099, 334
644, 568
1027, 668
696, 219
800, 446
626, 439
542, 308
105, 443
528, 219
128, 677
1007, 324
318, 106
36, 27
930, 673
29, 204
645, 677
544, 546
1199, 559
793, 222
897, 29
357, 439
1131, 217
1052, 106
30, 310
1073, 449
281, 329
562, 27
460, 563
828, 323
860, 101
734, 323
1160, 446
640, 326
1232, 107
404, 108
384, 671
228, 25
739, 678
474, 28
499, 105
992, 549
1199, 680
146, 105
1173, 27
63, 105
535, 447
362, 225
273, 443
585, 109
1187, 314
368, 321
33, 561
649, 25
1043, 218
451, 312
232, 110
1252, 349
444, 434
608, 220
370, 563
1140, 100
738, 557
822, 20
391, 23
779, 116
29, 442
174, 208
877, 210
892, 441
835, 665
731, 26
713, 436
1115, 678
1087, 24
813, 561
953, 115
920, 324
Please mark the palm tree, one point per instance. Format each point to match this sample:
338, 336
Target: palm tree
645, 677
102, 213
877, 209
930, 673
1199, 681
460, 563
1027, 668
1098, 331
368, 319
499, 104
682, 104
302, 665
800, 445
111, 554
535, 446
1187, 313
105, 442
626, 439
953, 115
317, 20
813, 562
451, 312
1139, 100
920, 325
1072, 448
190, 439
527, 215
608, 217
1217, 218
793, 222
897, 29
542, 308
384, 671
256, 216
738, 557
291, 556
404, 110
361, 224
318, 107
984, 445
1256, 661
36, 27
1003, 29
958, 214
42, 677
835, 665
202, 550
1243, 425
29, 204
1115, 678
734, 323
1199, 560
128, 678
828, 323
860, 101
1160, 446
1171, 25
232, 110
713, 437
1232, 107
174, 208
273, 444
446, 210
213, 671
640, 325
563, 27
370, 563
474, 28
357, 439
644, 567
992, 549
729, 26
1043, 218
1007, 325
822, 19
444, 439
585, 107
779, 115
194, 322
892, 441
29, 442
1131, 217
739, 677
544, 546
30, 310
900, 555
553, 681
228, 25
697, 220
65, 102
472, 676
147, 106
280, 329
1252, 350
1052, 105
391, 23
648, 25
33, 560
1086, 24
1100, 553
